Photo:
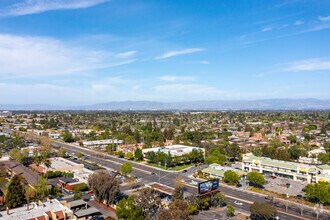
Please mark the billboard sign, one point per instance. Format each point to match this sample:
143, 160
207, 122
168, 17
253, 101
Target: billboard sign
208, 186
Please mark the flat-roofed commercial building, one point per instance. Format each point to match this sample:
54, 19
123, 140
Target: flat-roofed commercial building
296, 171
174, 150
215, 170
101, 143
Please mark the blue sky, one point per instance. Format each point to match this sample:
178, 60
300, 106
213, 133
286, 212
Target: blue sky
74, 52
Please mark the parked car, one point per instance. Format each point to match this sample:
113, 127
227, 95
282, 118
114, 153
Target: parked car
239, 185
273, 177
238, 202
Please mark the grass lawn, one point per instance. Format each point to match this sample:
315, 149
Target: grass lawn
176, 168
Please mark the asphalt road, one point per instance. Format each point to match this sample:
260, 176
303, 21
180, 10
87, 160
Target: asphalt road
167, 178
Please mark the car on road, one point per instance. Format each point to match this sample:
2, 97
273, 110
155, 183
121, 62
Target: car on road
238, 202
154, 174
194, 183
184, 171
239, 185
273, 177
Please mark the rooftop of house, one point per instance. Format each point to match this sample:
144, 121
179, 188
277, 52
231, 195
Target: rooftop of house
28, 175
36, 211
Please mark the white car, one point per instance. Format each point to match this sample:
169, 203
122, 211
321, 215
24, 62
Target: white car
238, 203
195, 183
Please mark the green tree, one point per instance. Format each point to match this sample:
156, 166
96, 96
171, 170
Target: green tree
138, 154
324, 158
294, 152
61, 152
128, 210
230, 211
262, 211
29, 194
256, 178
67, 136
80, 155
231, 177
77, 194
129, 156
19, 155
126, 168
15, 193
218, 199
41, 188
120, 154
219, 159
318, 192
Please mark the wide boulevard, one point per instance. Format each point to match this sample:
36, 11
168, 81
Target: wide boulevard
148, 174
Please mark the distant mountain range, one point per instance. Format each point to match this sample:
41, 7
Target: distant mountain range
265, 104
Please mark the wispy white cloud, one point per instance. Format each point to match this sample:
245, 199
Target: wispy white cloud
299, 22
26, 7
176, 78
127, 54
41, 56
266, 29
315, 64
205, 62
325, 18
178, 53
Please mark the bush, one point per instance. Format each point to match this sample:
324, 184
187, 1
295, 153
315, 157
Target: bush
51, 174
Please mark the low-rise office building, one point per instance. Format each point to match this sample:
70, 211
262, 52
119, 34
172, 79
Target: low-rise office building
296, 171
174, 150
215, 170
101, 143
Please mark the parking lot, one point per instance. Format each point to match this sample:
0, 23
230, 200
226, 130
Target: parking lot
284, 186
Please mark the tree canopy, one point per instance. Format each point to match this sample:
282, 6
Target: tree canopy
262, 211
126, 168
318, 192
15, 195
126, 209
231, 177
256, 178
104, 186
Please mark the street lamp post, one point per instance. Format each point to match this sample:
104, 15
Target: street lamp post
159, 173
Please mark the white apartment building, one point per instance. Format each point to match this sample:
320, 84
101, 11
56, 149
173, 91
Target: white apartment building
296, 171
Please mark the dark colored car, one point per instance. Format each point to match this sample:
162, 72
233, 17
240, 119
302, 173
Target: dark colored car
184, 171
154, 174
238, 185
